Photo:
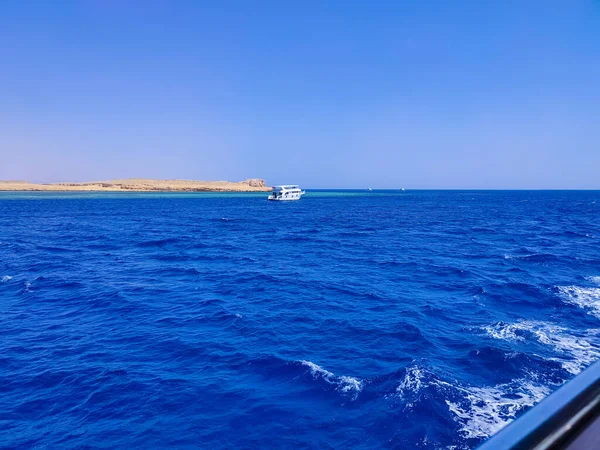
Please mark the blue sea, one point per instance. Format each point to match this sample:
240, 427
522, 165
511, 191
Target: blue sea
418, 319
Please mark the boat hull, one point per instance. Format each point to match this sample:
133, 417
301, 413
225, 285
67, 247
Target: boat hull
284, 199
287, 197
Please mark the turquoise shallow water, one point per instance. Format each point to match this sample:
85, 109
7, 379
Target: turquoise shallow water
424, 319
39, 195
34, 195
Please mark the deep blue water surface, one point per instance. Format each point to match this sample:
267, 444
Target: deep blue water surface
345, 320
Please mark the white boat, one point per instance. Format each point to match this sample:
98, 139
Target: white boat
286, 193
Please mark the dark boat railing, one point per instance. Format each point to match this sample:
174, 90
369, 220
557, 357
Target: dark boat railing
566, 419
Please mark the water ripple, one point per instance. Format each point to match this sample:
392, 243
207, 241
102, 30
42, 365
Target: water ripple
345, 320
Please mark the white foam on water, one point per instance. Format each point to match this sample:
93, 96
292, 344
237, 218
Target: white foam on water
486, 410
480, 411
503, 331
576, 353
351, 384
5, 278
529, 255
316, 370
26, 289
585, 298
345, 384
413, 381
417, 378
595, 280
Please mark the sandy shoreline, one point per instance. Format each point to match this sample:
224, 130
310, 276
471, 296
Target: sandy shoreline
141, 185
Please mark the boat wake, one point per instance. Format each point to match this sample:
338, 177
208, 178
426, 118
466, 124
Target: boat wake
478, 411
573, 350
587, 298
484, 411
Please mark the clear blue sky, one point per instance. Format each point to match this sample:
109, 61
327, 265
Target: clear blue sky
415, 94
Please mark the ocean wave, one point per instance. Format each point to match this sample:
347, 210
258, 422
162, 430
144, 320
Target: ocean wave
209, 312
168, 302
417, 378
595, 280
483, 230
414, 379
55, 249
5, 278
400, 264
233, 219
344, 384
587, 298
483, 411
158, 242
534, 257
26, 288
571, 233
479, 411
579, 352
53, 281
